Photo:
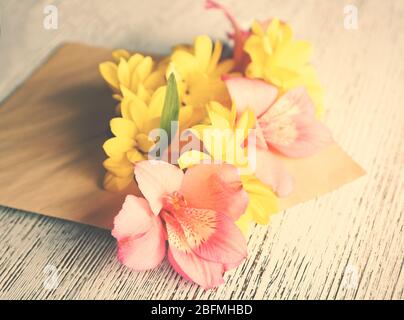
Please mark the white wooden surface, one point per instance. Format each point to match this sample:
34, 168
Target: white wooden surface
345, 245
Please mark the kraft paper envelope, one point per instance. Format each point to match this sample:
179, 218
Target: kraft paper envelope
51, 134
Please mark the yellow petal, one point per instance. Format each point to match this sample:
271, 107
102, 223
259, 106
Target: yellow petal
184, 62
134, 82
134, 156
125, 108
254, 71
245, 123
192, 157
117, 96
273, 32
286, 32
122, 127
109, 72
154, 80
256, 28
294, 55
219, 115
121, 53
134, 60
244, 223
142, 93
198, 116
254, 47
157, 102
136, 110
144, 142
267, 46
126, 92
185, 117
121, 168
203, 51
224, 67
117, 147
115, 184
183, 47
218, 110
279, 76
262, 200
124, 73
144, 68
150, 124
217, 52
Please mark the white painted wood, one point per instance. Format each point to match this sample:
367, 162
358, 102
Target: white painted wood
310, 251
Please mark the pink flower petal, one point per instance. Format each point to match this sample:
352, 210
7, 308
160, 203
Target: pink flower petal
230, 266
133, 219
187, 263
140, 235
212, 235
291, 128
216, 187
297, 97
176, 267
145, 252
251, 93
312, 137
205, 273
156, 179
271, 172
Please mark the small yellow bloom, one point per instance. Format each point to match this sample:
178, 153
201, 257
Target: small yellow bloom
282, 61
131, 142
135, 74
223, 141
198, 72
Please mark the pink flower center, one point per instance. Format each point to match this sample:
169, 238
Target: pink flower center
173, 202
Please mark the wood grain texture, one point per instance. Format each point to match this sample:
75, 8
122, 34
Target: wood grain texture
345, 245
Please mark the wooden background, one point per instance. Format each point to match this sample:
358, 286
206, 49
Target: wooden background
345, 245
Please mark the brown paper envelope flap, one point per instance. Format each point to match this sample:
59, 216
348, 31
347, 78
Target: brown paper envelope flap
51, 134
316, 175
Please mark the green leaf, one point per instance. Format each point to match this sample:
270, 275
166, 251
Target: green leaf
171, 108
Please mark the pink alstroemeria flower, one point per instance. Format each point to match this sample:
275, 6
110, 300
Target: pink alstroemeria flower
288, 123
193, 211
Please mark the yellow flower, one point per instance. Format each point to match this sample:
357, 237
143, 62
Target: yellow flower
198, 72
223, 141
131, 142
132, 74
282, 61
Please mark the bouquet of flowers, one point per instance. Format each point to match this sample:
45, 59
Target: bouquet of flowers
198, 133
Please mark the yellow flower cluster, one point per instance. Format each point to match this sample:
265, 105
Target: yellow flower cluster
279, 59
